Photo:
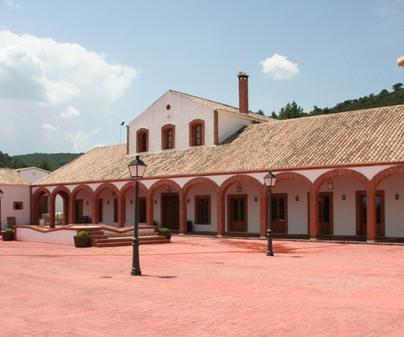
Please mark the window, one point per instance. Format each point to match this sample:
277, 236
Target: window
142, 140
196, 132
168, 137
18, 205
202, 210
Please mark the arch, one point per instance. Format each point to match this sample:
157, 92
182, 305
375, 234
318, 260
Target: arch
341, 172
292, 176
66, 196
192, 132
142, 140
75, 192
129, 185
106, 186
199, 180
164, 182
240, 178
167, 140
388, 172
35, 214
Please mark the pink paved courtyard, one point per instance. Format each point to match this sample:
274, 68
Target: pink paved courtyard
202, 287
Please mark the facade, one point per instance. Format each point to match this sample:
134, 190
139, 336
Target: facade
32, 174
338, 175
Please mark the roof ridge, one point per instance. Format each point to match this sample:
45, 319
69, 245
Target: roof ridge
202, 98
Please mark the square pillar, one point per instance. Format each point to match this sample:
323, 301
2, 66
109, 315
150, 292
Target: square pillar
149, 210
263, 212
220, 214
183, 213
313, 215
371, 228
94, 210
51, 208
121, 211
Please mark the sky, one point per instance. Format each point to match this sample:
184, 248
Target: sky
72, 71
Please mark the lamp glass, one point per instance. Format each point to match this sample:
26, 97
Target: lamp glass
137, 168
270, 179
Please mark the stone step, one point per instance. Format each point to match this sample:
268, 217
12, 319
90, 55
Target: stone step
127, 241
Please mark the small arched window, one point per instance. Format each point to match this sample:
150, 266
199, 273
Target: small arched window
196, 132
142, 140
168, 137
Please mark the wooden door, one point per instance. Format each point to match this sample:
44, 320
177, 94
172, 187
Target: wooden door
170, 215
100, 211
142, 210
361, 213
279, 213
79, 210
237, 214
380, 231
325, 208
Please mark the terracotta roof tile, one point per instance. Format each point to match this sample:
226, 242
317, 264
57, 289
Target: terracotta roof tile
11, 177
356, 137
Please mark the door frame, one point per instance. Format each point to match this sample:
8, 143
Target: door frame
285, 195
162, 217
383, 205
230, 196
331, 195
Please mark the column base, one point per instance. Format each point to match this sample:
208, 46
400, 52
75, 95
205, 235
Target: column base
371, 241
219, 235
313, 239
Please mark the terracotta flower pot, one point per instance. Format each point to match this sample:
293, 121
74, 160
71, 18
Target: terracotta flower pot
82, 241
7, 236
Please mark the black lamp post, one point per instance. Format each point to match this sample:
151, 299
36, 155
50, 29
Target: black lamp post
1, 196
136, 168
270, 180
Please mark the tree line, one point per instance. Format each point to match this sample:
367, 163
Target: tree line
383, 98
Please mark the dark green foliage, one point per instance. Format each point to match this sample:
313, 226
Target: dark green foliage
260, 112
164, 230
46, 161
83, 234
290, 110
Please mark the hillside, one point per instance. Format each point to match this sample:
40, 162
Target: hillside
47, 161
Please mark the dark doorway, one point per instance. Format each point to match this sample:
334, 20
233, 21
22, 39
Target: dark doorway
79, 210
279, 212
325, 207
100, 210
237, 214
170, 216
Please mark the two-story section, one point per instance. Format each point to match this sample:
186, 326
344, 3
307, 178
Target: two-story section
179, 121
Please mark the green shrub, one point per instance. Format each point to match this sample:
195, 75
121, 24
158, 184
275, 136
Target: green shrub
83, 234
8, 230
164, 230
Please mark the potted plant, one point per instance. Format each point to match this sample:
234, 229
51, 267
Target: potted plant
8, 234
82, 239
165, 231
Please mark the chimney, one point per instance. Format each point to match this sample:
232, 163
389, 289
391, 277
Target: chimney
243, 92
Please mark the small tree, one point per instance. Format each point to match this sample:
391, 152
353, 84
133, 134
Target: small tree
397, 86
44, 164
291, 110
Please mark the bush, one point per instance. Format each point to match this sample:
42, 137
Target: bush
83, 234
164, 230
8, 230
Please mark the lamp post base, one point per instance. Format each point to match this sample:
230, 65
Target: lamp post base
270, 253
136, 272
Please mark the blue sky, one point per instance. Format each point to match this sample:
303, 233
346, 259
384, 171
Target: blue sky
139, 49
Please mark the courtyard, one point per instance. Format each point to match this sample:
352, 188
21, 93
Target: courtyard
200, 286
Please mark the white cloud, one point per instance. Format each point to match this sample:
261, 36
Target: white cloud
81, 139
43, 70
43, 81
11, 4
48, 126
70, 112
279, 67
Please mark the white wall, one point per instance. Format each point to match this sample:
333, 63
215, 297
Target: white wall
32, 174
253, 206
108, 207
228, 123
201, 189
14, 193
130, 207
297, 211
182, 111
87, 202
394, 209
63, 236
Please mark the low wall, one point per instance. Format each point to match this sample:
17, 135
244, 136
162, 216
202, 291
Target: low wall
60, 236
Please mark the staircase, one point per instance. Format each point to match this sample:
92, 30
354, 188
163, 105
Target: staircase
101, 239
106, 238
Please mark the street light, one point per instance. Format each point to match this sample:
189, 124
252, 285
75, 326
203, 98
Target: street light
270, 180
1, 196
136, 169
